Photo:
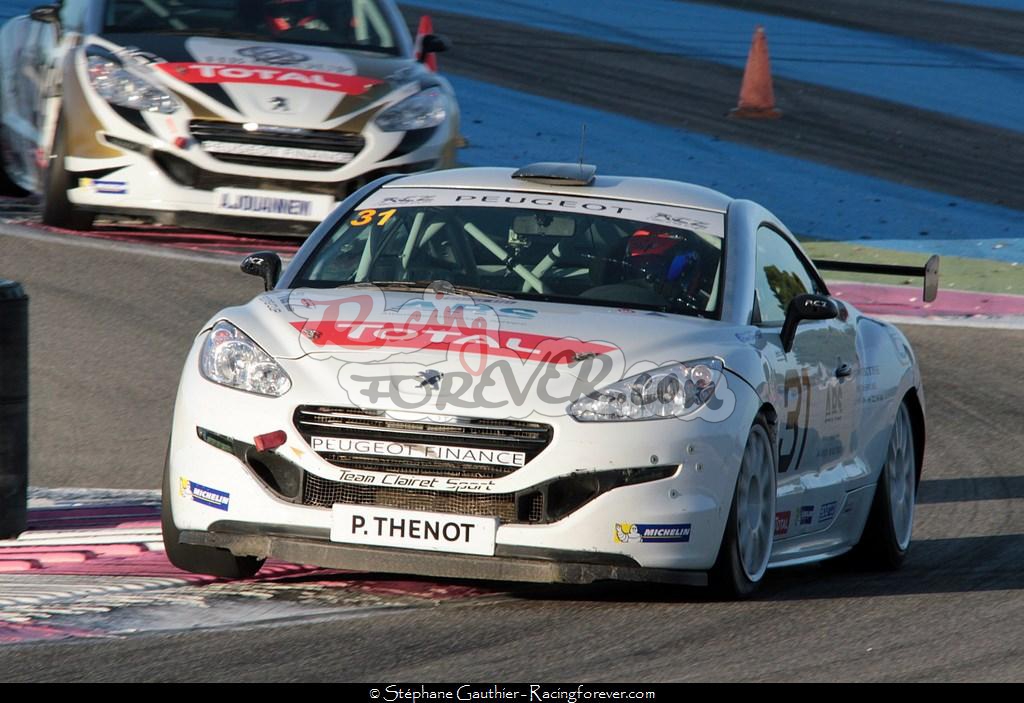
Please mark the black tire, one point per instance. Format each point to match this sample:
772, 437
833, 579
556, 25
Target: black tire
7, 186
58, 211
197, 559
881, 548
729, 578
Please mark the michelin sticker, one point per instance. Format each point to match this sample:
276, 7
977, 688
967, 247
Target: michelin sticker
204, 495
104, 187
626, 533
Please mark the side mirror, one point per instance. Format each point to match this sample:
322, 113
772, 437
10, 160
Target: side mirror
46, 13
433, 44
807, 306
266, 265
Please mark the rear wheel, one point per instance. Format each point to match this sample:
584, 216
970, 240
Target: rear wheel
58, 211
749, 532
886, 538
198, 559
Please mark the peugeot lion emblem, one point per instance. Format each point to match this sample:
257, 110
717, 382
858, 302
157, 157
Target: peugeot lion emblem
272, 55
430, 377
279, 103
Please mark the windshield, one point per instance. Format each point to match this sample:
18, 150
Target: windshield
524, 245
358, 24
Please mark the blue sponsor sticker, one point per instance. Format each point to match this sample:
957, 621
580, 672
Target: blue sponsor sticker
630, 532
204, 494
806, 514
827, 512
106, 187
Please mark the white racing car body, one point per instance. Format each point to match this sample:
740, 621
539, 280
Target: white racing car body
547, 376
249, 115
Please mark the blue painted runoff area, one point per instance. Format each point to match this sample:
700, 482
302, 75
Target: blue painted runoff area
510, 128
976, 85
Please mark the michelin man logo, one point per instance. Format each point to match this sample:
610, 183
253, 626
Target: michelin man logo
625, 533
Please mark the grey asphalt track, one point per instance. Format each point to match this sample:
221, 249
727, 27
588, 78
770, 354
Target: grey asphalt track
110, 329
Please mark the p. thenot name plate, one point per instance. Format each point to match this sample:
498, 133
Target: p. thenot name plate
411, 529
401, 450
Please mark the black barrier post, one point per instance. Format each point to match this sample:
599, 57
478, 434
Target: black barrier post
13, 409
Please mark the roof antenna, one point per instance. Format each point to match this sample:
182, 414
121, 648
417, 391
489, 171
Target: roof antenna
583, 142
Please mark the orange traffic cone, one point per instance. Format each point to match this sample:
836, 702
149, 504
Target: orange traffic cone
757, 99
426, 27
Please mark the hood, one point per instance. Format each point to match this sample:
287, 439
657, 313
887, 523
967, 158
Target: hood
290, 85
363, 339
361, 322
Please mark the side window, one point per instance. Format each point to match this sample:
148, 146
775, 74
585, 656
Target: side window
779, 276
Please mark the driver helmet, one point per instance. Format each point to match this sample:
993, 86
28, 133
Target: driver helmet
664, 258
284, 15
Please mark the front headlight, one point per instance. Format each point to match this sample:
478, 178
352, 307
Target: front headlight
670, 391
119, 86
231, 359
421, 111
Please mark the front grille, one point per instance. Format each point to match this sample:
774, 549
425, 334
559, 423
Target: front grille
527, 438
317, 150
508, 507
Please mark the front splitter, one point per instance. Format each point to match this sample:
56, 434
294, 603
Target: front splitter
332, 555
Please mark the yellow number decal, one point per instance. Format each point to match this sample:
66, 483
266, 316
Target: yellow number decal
365, 217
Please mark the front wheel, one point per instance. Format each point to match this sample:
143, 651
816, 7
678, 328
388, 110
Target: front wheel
58, 211
749, 532
195, 558
7, 186
886, 538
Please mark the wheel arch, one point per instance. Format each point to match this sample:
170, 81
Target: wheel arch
916, 410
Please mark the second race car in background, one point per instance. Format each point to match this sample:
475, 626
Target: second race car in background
246, 115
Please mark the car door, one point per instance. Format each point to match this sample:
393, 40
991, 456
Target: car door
804, 379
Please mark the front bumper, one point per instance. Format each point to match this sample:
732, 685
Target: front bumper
508, 563
173, 190
256, 519
155, 167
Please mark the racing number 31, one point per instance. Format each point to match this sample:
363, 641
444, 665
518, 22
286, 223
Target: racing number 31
365, 217
797, 391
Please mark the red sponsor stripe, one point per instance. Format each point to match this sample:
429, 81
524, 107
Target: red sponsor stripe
266, 75
521, 345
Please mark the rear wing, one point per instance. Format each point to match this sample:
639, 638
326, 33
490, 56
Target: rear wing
930, 272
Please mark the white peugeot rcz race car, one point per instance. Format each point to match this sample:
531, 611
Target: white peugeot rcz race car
549, 376
246, 115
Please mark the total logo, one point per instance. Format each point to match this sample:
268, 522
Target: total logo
198, 73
